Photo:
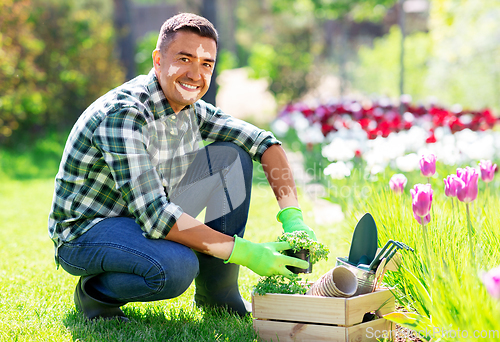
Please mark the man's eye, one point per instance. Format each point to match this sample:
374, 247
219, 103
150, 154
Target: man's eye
184, 59
208, 65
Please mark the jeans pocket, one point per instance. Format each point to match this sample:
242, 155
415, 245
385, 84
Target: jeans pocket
72, 269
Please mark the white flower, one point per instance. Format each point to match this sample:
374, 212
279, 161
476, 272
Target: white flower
312, 134
279, 127
299, 122
408, 162
340, 149
338, 170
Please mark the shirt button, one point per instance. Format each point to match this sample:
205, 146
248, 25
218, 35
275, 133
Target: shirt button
174, 117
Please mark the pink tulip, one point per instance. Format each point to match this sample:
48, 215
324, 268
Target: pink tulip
487, 170
468, 192
428, 165
421, 196
491, 280
424, 219
398, 183
451, 185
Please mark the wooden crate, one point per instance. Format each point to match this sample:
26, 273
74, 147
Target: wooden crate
294, 318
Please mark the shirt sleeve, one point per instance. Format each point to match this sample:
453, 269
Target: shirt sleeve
215, 125
123, 140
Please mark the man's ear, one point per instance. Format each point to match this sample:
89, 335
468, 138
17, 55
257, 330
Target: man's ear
156, 59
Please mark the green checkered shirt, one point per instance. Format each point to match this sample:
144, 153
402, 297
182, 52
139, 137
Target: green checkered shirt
129, 150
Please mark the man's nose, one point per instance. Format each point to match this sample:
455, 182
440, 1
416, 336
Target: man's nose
194, 72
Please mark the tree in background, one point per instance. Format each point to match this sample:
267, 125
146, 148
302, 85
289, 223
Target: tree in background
377, 71
57, 57
456, 61
287, 41
465, 63
20, 96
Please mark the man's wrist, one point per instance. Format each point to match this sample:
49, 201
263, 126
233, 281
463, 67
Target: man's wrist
288, 213
234, 256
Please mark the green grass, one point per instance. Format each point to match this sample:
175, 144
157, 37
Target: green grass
37, 300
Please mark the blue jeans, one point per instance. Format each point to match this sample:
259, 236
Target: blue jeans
127, 267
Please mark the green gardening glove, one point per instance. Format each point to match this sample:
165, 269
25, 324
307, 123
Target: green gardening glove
264, 259
291, 219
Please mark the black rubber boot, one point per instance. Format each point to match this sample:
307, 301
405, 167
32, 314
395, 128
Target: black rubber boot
93, 308
217, 286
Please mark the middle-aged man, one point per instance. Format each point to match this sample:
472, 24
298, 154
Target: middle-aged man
135, 174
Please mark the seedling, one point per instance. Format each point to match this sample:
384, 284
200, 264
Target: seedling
279, 284
300, 240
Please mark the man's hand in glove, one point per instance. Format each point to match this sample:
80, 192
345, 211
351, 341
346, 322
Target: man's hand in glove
292, 220
264, 259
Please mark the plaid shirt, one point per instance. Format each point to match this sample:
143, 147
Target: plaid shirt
129, 150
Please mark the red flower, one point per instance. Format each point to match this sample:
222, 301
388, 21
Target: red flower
327, 128
364, 122
372, 134
432, 138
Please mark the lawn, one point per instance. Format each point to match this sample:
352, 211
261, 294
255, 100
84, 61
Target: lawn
441, 287
37, 300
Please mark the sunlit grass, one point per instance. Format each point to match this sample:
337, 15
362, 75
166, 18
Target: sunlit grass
37, 300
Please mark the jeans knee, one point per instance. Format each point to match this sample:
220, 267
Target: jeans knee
175, 275
232, 151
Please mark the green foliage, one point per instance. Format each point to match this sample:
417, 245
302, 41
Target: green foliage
378, 71
19, 48
144, 53
32, 159
332, 9
278, 45
262, 61
226, 60
280, 284
465, 63
457, 61
300, 240
59, 57
285, 41
285, 60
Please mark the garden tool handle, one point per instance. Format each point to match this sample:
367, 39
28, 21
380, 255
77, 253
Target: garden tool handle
384, 252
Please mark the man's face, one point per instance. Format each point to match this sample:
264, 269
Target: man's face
185, 69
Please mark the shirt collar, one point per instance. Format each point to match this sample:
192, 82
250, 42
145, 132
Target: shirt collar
161, 107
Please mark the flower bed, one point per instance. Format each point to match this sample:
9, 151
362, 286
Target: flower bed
379, 134
450, 286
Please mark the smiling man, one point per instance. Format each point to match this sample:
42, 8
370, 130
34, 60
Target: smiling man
136, 173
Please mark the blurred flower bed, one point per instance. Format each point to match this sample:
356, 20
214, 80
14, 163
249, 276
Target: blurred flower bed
376, 133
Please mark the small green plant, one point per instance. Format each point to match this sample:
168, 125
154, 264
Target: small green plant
300, 240
280, 284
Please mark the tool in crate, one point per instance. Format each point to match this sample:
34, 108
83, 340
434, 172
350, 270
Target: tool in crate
363, 259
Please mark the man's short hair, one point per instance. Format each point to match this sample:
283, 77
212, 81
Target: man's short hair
185, 22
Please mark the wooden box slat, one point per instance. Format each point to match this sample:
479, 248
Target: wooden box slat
326, 310
304, 332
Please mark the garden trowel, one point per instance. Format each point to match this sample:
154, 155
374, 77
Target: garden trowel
364, 242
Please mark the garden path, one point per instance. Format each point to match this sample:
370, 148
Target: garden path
235, 89
324, 212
